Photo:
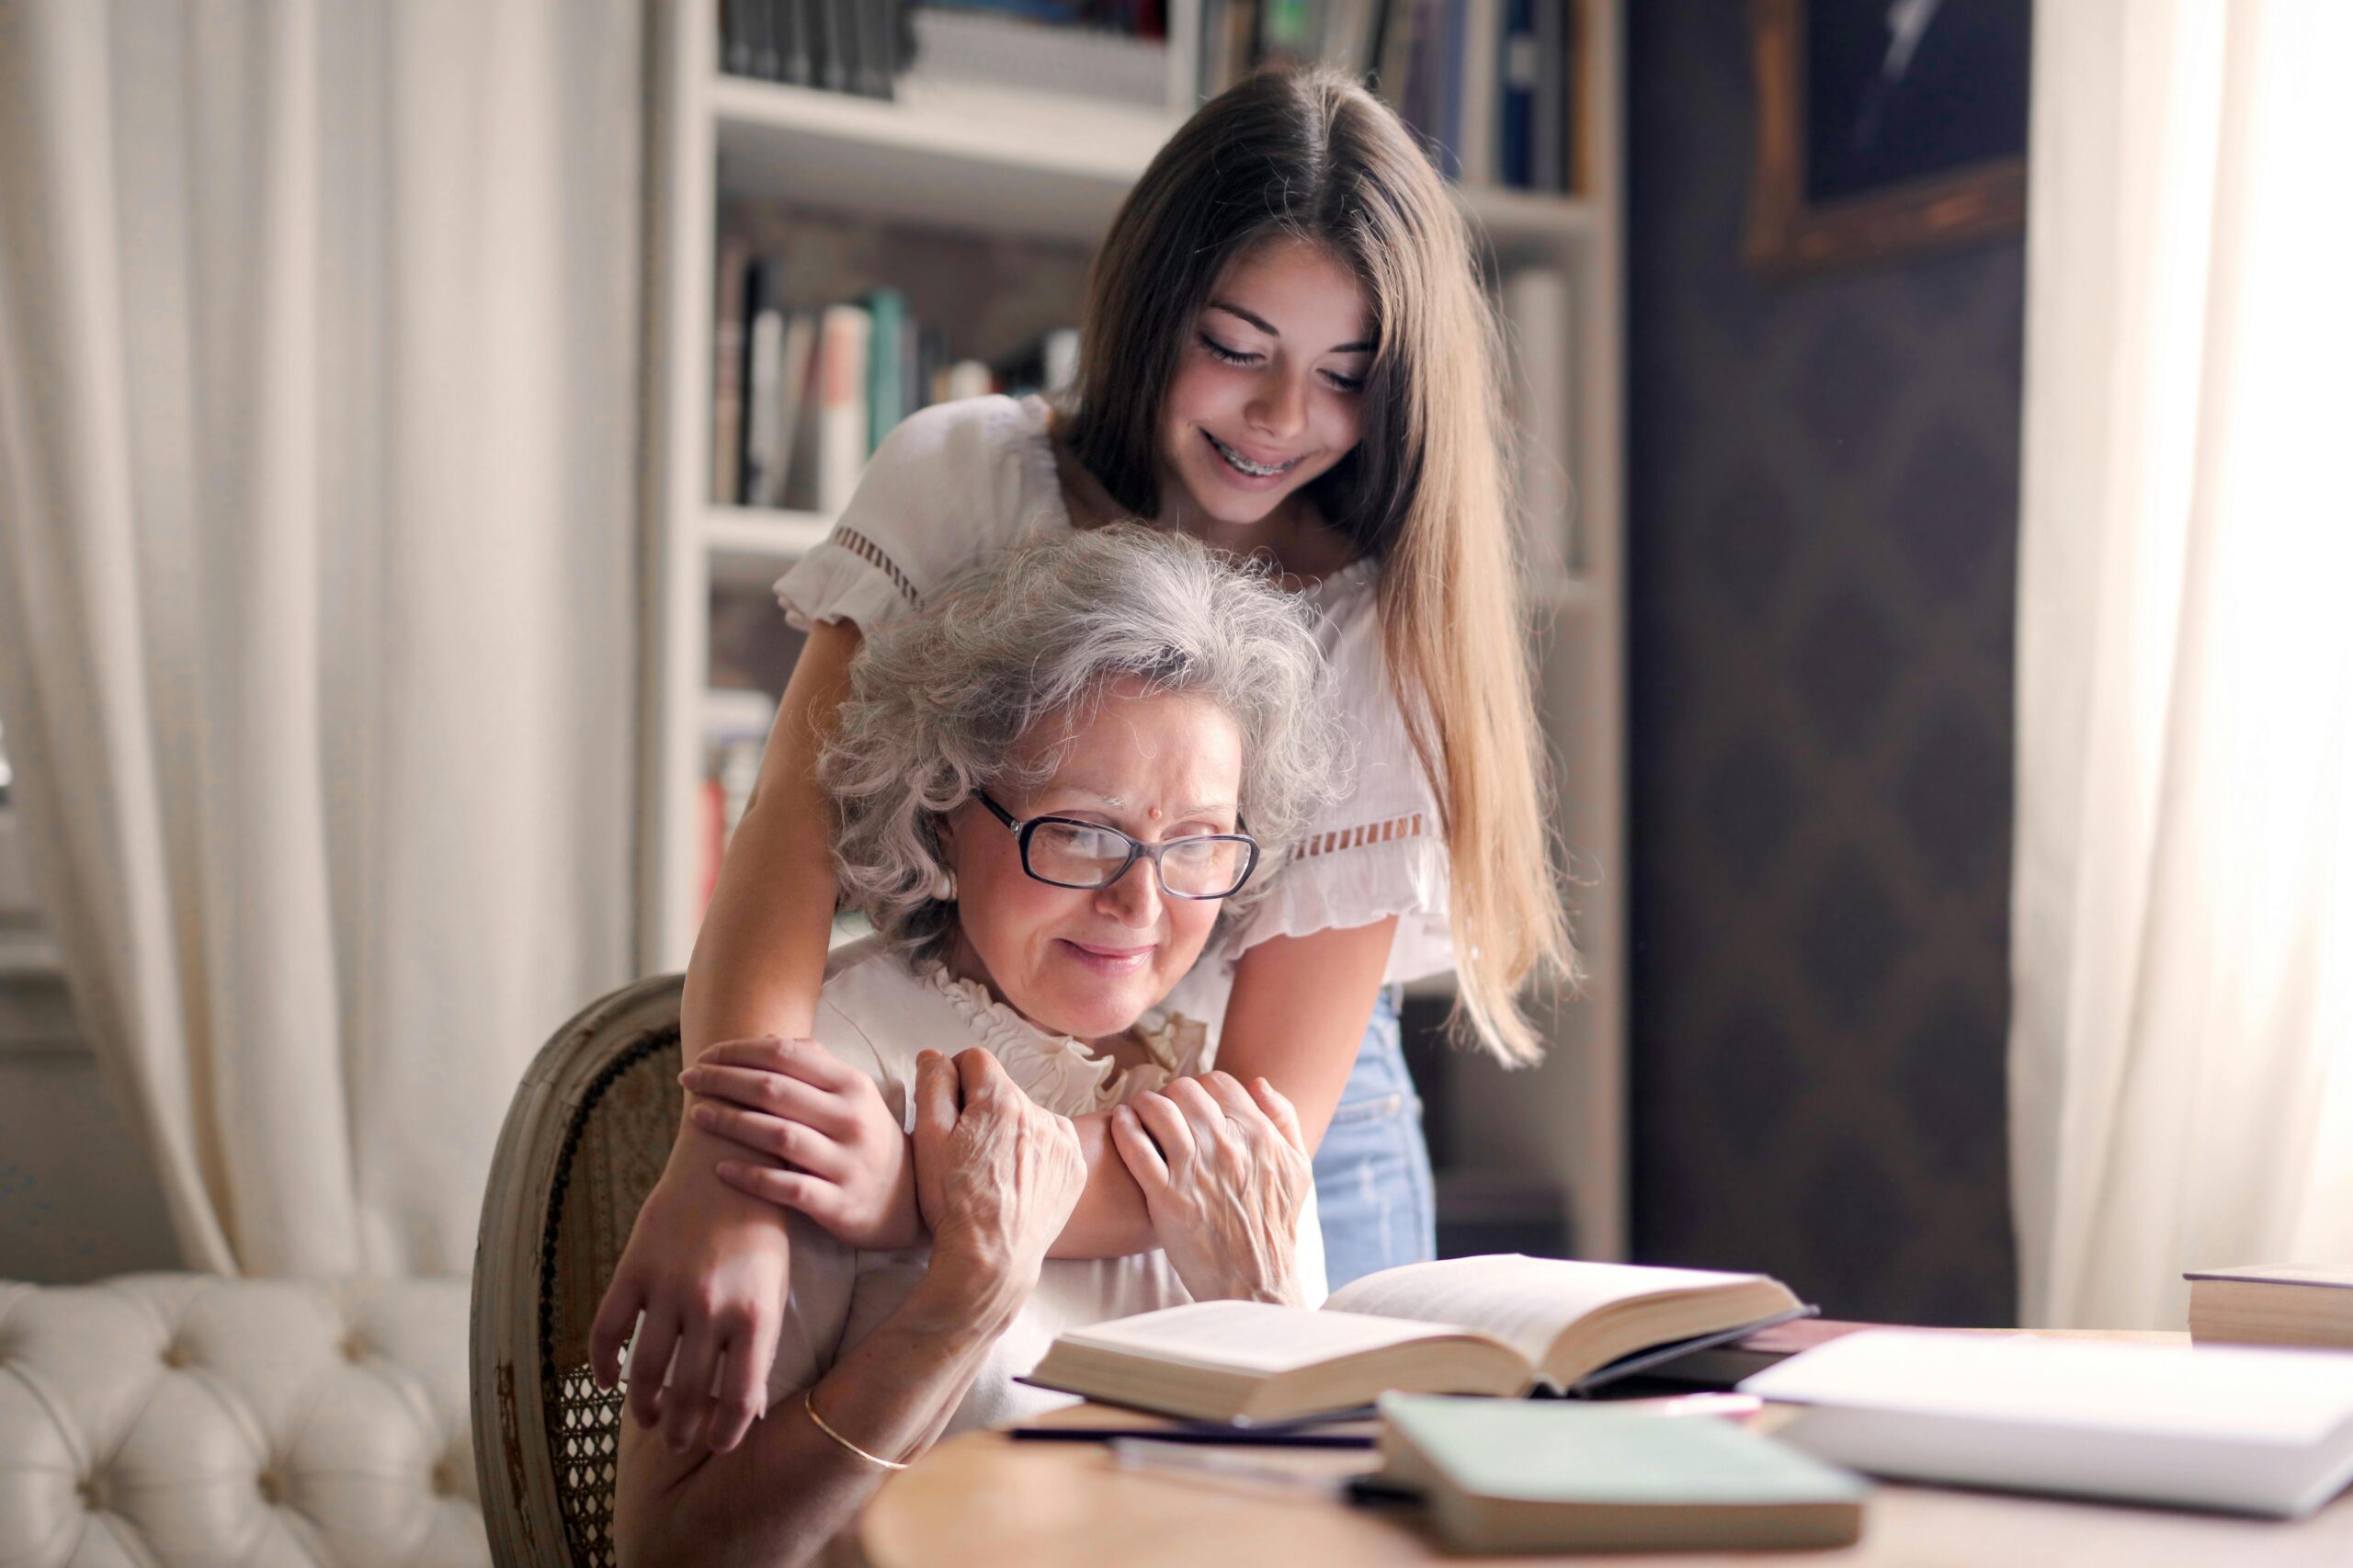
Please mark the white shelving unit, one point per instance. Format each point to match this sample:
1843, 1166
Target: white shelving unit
1045, 166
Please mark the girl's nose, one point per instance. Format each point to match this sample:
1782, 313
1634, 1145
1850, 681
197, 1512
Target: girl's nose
1279, 408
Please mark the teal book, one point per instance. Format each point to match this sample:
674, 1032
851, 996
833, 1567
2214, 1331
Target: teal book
885, 366
1564, 1475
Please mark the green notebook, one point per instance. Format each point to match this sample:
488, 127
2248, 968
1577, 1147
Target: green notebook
1551, 1475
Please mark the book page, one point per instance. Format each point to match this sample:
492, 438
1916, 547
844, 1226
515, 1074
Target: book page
1249, 1337
1523, 1301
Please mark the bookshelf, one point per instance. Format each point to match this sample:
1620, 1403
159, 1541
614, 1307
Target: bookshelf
1044, 167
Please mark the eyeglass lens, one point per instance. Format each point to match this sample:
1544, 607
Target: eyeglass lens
1079, 855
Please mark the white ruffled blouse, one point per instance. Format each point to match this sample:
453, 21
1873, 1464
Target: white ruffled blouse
877, 1012
960, 480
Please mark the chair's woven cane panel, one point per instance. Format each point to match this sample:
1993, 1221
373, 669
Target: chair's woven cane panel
612, 1154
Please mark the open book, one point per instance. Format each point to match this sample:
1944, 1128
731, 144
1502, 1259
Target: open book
1496, 1325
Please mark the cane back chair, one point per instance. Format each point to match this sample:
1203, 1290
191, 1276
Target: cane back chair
588, 1132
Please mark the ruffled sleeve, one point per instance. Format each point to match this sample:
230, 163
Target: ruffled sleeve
951, 483
1379, 849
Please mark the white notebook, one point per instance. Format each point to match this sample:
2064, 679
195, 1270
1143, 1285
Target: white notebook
2250, 1431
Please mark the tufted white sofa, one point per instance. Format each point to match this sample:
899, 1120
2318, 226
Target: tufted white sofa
171, 1419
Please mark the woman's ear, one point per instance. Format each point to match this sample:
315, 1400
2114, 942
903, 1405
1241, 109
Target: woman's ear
943, 881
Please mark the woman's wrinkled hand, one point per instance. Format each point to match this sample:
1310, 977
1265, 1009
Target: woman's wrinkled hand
997, 1175
1225, 1172
795, 1102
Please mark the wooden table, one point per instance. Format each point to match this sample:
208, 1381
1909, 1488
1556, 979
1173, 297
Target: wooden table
984, 1501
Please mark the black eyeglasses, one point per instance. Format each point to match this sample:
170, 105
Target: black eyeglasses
1068, 853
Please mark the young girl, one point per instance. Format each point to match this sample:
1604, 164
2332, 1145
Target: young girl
1286, 352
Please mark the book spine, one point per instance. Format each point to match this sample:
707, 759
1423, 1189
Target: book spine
968, 378
1478, 71
763, 368
886, 362
795, 26
842, 442
1059, 354
727, 373
792, 386
1547, 170
1518, 67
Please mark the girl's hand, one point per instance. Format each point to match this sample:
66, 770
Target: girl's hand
707, 1268
846, 1162
997, 1173
1224, 1172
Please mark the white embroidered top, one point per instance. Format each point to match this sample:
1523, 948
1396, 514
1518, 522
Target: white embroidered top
876, 1013
960, 480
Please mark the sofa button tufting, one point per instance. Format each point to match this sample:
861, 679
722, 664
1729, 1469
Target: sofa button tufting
272, 1486
353, 1348
444, 1477
87, 1490
177, 1354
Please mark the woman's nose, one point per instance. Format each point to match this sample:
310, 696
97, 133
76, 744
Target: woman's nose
1134, 899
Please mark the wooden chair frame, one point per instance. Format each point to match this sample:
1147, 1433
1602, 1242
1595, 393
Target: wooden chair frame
586, 1138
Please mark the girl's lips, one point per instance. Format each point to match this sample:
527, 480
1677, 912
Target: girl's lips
1237, 477
1109, 961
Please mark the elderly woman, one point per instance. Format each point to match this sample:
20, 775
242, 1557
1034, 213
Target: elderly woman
1053, 783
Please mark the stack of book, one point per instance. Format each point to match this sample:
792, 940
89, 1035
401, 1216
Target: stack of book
801, 394
1487, 84
843, 46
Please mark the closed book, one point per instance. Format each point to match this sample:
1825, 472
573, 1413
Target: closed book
1547, 166
2243, 1430
2285, 1303
1479, 72
796, 29
886, 311
762, 372
839, 376
1516, 111
784, 411
1564, 1475
1496, 1325
727, 370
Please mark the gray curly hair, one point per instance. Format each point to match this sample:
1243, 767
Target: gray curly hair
941, 700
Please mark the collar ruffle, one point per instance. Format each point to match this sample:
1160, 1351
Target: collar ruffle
1059, 1072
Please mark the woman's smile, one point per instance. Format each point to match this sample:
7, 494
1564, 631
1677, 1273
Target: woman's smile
1107, 960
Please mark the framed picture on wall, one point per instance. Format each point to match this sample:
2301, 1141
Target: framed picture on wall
1885, 127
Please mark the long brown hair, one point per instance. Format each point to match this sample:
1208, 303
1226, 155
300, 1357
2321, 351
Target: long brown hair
1311, 155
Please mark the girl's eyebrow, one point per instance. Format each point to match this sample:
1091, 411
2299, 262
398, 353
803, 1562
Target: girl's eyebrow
1267, 327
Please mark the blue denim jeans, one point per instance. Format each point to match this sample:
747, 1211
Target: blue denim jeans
1373, 1174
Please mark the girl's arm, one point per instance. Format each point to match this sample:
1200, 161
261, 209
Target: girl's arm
706, 1265
999, 1177
1298, 1012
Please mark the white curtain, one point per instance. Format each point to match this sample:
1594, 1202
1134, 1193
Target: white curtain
317, 346
2182, 1061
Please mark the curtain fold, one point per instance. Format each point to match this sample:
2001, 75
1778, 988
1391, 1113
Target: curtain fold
2181, 1053
317, 391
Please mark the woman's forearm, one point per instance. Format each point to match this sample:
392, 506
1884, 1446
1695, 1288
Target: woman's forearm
1110, 1220
795, 1488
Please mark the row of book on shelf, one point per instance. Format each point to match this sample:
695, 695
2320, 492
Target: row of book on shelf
1488, 85
801, 394
842, 46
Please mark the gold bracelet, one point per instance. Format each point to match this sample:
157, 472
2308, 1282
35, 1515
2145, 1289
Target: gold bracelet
809, 1403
